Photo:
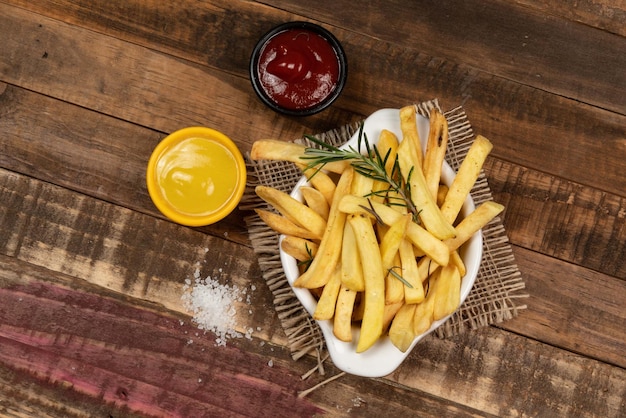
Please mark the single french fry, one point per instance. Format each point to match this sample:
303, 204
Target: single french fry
410, 273
447, 292
441, 194
468, 173
299, 248
388, 148
390, 312
455, 258
473, 223
329, 251
327, 302
435, 150
423, 316
273, 149
342, 322
315, 200
359, 308
374, 297
321, 181
361, 185
424, 201
394, 288
391, 240
410, 134
421, 238
352, 272
283, 225
297, 212
401, 331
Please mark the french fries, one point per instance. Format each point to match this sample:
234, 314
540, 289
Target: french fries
272, 149
380, 257
299, 248
466, 177
435, 151
342, 322
297, 212
373, 277
329, 251
351, 268
315, 200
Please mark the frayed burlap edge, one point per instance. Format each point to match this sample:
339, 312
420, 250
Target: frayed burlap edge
496, 292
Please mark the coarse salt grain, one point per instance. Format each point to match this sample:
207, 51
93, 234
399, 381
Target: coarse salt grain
212, 306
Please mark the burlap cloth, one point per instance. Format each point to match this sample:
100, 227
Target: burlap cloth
496, 292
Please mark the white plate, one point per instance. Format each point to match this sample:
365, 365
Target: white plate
383, 357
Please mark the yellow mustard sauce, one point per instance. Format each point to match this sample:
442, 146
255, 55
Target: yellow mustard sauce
197, 176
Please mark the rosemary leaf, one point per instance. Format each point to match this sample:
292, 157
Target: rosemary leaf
399, 277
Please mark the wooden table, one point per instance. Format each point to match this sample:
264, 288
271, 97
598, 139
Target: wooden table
91, 274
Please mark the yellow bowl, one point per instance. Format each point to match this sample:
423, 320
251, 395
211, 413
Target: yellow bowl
196, 176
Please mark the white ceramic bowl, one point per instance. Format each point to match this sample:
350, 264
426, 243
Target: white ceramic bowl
383, 357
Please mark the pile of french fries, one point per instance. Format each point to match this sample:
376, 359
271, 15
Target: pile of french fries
371, 263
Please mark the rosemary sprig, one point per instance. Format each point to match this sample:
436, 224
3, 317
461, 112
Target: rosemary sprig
306, 263
369, 163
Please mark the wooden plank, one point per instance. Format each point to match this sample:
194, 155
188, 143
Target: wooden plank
137, 84
94, 352
60, 334
508, 375
117, 249
24, 396
571, 307
511, 31
607, 15
85, 151
124, 251
562, 219
507, 40
99, 346
526, 124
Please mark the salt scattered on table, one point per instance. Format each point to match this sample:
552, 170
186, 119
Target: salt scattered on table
213, 306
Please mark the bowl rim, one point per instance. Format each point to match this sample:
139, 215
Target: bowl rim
324, 33
167, 208
344, 355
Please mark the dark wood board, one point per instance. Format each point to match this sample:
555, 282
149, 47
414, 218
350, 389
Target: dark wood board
92, 320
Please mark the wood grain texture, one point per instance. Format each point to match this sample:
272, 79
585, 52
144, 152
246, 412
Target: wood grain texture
160, 281
89, 343
508, 375
562, 219
602, 14
91, 275
95, 338
120, 250
103, 157
577, 309
145, 87
518, 43
581, 136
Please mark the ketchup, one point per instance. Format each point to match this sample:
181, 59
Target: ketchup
298, 69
